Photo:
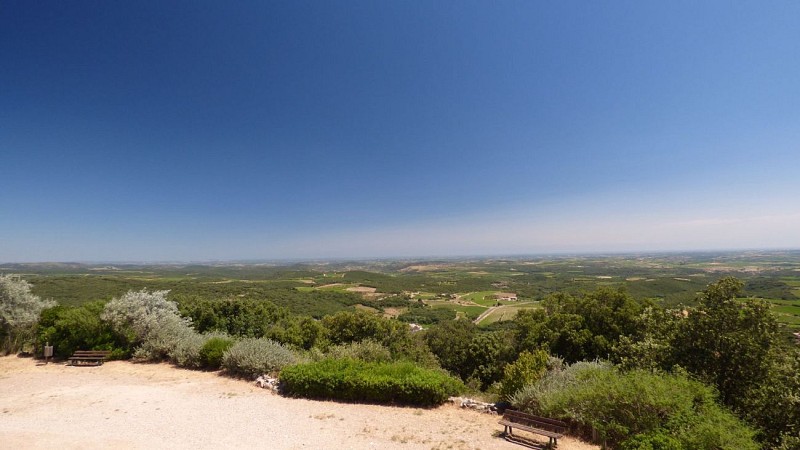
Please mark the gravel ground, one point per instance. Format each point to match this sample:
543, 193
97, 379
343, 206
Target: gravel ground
126, 405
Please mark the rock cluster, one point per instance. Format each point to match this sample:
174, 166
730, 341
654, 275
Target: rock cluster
267, 382
488, 408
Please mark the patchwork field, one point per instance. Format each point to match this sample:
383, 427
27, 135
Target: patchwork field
464, 286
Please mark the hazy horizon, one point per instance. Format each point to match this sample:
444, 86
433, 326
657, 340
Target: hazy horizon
201, 131
416, 258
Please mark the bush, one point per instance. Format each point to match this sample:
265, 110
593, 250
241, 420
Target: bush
137, 314
426, 315
186, 352
579, 328
450, 341
527, 369
236, 317
558, 379
638, 406
79, 328
375, 382
252, 357
368, 350
298, 332
354, 326
19, 313
345, 327
657, 440
153, 322
173, 341
476, 357
213, 349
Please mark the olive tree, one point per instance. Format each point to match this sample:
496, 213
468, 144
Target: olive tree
19, 312
149, 320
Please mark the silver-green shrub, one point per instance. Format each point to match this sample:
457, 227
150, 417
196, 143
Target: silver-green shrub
140, 313
19, 312
187, 350
535, 396
252, 357
169, 341
153, 323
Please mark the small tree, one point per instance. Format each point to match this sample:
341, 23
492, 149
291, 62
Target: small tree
728, 343
582, 327
449, 341
19, 312
527, 369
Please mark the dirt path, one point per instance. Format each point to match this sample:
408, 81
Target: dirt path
125, 405
485, 314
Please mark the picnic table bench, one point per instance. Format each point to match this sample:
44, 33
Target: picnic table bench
553, 429
88, 357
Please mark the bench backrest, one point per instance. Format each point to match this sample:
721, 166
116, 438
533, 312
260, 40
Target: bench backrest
536, 421
92, 353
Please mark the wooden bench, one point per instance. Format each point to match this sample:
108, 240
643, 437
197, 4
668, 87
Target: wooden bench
553, 429
88, 357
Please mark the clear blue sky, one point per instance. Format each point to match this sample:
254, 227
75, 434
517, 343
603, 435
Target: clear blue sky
202, 130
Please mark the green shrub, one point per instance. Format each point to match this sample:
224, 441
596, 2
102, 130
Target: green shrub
252, 357
582, 327
368, 350
355, 326
375, 382
789, 442
639, 406
527, 369
236, 317
70, 328
213, 349
449, 341
298, 332
186, 349
426, 315
558, 379
656, 440
174, 341
475, 356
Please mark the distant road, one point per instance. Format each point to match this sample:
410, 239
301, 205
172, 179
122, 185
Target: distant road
486, 313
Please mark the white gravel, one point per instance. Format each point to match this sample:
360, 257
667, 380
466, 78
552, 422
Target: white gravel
126, 405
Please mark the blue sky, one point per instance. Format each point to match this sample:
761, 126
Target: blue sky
151, 131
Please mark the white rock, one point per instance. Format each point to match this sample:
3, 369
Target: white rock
267, 382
